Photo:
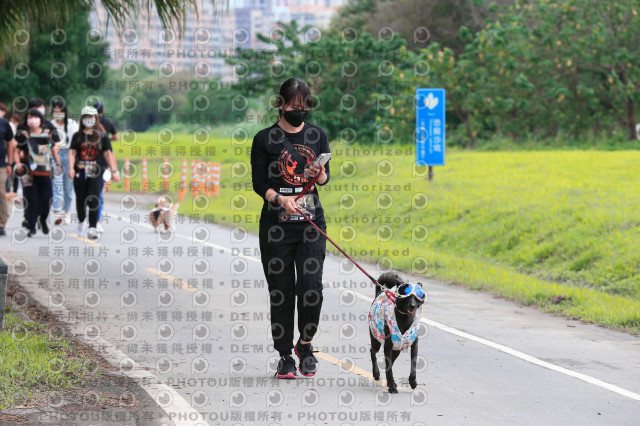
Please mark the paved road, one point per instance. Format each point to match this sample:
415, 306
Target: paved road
188, 317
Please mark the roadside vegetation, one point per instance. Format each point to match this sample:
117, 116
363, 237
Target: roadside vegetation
34, 361
553, 228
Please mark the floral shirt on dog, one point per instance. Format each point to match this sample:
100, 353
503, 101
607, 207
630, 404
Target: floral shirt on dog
383, 310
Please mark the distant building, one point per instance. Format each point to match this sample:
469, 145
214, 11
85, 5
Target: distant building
208, 39
147, 44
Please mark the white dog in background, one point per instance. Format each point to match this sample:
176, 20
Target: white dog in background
14, 201
163, 215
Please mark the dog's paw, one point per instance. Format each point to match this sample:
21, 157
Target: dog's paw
393, 389
376, 375
413, 382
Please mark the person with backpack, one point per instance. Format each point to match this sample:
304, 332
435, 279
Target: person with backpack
35, 149
90, 157
62, 183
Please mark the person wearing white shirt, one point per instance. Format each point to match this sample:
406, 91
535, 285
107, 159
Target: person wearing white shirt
63, 184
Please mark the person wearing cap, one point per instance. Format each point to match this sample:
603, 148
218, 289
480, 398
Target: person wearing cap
109, 127
90, 156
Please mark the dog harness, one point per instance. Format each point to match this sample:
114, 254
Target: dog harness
383, 311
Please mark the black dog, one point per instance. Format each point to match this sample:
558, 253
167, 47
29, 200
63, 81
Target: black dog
396, 334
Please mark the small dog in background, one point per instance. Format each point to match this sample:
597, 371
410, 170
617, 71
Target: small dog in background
394, 317
163, 215
13, 200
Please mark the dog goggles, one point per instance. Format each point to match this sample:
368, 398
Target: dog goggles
406, 290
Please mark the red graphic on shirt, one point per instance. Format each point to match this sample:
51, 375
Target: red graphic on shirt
288, 165
88, 151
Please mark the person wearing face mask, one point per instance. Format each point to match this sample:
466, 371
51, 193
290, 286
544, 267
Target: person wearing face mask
38, 104
292, 250
89, 158
14, 121
35, 148
112, 132
62, 183
6, 137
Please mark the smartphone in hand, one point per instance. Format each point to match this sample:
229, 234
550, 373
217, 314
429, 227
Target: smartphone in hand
321, 159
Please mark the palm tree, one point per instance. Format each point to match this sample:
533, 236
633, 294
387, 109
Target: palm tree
35, 14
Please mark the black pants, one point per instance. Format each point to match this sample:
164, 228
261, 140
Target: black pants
292, 260
88, 197
38, 196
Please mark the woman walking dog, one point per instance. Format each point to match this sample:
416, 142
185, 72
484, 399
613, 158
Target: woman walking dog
292, 250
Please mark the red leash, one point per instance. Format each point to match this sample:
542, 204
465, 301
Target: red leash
308, 186
343, 252
306, 189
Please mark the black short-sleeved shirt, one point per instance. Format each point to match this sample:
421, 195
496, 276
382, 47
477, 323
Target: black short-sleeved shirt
88, 151
272, 166
6, 135
108, 125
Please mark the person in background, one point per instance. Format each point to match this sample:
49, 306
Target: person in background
111, 130
37, 189
62, 183
14, 121
47, 128
37, 103
6, 137
107, 125
89, 158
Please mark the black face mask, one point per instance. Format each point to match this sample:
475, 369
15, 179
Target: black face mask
295, 117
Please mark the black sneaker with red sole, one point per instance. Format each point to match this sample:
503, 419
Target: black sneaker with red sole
308, 363
286, 368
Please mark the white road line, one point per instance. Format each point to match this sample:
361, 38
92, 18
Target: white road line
186, 237
502, 348
176, 408
522, 355
534, 360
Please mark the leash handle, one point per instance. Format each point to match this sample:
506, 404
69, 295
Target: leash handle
308, 187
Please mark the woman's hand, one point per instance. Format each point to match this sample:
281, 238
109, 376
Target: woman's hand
315, 170
289, 203
115, 176
72, 173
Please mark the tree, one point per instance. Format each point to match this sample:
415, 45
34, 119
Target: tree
417, 21
33, 15
544, 68
59, 63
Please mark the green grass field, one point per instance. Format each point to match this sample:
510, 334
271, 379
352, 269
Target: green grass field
558, 229
34, 361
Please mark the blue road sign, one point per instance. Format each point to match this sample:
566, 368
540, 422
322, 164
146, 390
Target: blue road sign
430, 130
